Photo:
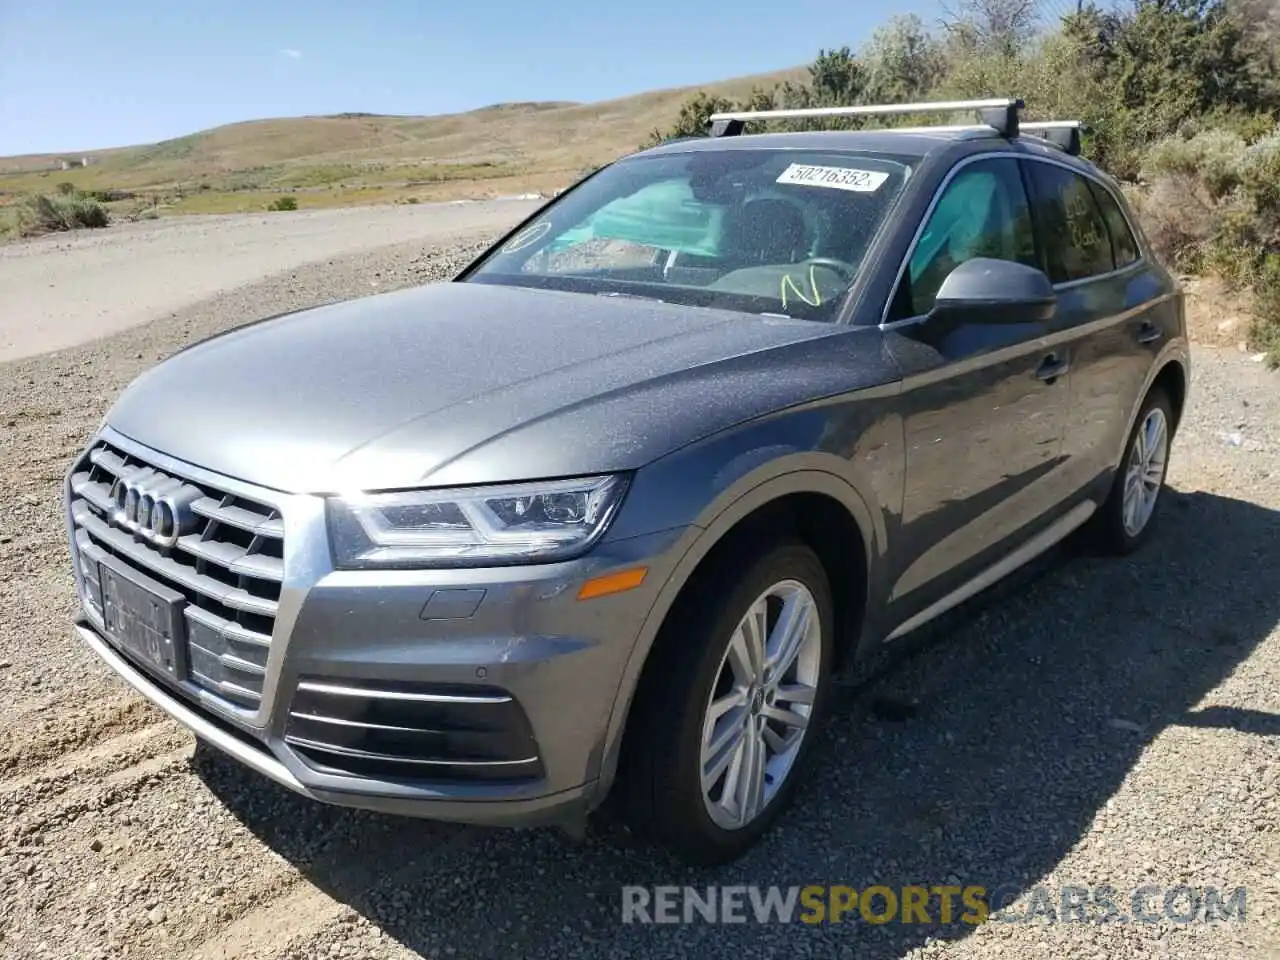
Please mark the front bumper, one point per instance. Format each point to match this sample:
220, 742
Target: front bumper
494, 810
479, 696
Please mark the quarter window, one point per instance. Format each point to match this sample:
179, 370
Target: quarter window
983, 212
1076, 242
1123, 243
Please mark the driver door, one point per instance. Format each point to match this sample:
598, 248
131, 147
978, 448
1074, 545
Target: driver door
984, 404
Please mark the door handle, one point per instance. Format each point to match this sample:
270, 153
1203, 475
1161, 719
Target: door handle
1149, 332
1052, 368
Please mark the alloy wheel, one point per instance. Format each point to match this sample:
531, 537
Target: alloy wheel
1144, 475
760, 704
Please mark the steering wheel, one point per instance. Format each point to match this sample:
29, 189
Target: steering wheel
847, 271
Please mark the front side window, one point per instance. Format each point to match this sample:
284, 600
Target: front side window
1076, 242
982, 212
762, 231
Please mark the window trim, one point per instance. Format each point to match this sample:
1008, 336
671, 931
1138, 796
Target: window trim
1095, 187
887, 324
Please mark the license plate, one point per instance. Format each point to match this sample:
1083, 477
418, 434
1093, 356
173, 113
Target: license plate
144, 618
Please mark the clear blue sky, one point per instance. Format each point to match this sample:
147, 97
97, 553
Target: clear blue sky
86, 74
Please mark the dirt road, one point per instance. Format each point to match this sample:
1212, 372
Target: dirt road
67, 289
1103, 722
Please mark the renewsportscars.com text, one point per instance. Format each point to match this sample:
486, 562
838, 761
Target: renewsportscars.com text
941, 904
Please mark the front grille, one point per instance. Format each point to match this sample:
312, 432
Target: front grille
226, 561
402, 731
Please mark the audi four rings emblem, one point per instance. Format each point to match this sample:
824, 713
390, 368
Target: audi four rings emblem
154, 507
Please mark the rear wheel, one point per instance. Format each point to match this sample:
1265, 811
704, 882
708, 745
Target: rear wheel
724, 718
1129, 513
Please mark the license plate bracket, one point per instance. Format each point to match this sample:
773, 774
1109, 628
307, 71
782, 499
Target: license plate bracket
144, 618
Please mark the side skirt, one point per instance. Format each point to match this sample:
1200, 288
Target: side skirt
1050, 536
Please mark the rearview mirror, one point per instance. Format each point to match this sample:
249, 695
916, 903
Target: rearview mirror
985, 290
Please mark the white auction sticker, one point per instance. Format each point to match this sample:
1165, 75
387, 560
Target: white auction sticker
839, 178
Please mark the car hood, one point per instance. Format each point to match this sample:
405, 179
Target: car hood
462, 383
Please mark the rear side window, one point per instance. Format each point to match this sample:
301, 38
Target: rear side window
1123, 243
982, 212
1073, 233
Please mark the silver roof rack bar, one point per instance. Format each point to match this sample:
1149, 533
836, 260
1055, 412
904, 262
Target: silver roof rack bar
1067, 134
1001, 114
1038, 125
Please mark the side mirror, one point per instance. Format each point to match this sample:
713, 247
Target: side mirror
984, 290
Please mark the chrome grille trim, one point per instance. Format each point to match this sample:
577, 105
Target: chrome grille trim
236, 559
228, 629
412, 761
228, 562
360, 724
338, 690
230, 661
236, 517
121, 544
352, 727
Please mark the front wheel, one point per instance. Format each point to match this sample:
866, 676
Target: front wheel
1129, 513
724, 718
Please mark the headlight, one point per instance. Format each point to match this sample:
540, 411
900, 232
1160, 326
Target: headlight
521, 523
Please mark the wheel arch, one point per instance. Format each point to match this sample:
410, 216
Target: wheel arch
1172, 372
1172, 379
823, 508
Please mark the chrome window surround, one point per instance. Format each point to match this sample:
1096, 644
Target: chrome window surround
887, 324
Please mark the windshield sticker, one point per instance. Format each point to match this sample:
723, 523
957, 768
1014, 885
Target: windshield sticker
530, 234
838, 178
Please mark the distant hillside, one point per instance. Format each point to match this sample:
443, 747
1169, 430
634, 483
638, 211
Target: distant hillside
360, 157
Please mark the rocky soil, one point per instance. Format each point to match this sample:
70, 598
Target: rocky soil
1094, 722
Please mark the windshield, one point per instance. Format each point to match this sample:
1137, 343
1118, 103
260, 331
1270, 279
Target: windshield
764, 231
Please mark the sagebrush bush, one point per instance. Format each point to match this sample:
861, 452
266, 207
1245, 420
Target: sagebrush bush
283, 203
1212, 158
1259, 173
39, 214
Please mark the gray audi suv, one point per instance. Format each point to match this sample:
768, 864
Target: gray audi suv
601, 517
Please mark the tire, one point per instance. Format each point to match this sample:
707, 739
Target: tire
1119, 528
700, 653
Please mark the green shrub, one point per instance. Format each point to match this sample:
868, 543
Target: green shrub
1249, 126
283, 203
1264, 333
66, 189
39, 214
1260, 174
1213, 158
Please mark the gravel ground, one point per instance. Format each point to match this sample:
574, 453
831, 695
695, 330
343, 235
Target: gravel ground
67, 289
1094, 722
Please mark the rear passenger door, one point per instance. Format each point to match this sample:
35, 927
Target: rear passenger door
1106, 325
983, 411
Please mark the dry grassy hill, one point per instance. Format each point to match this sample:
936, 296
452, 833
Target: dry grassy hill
362, 158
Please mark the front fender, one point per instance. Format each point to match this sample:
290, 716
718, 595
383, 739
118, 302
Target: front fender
867, 481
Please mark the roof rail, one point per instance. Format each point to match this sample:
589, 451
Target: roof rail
1000, 114
1065, 134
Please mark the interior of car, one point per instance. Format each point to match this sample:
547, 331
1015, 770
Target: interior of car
730, 226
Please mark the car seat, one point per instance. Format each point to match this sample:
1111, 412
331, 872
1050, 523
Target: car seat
766, 231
